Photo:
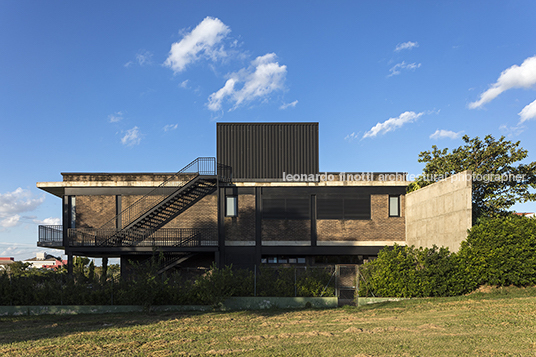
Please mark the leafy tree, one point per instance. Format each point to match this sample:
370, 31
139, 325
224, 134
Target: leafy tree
499, 180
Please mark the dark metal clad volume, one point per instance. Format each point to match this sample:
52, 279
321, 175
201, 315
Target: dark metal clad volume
266, 150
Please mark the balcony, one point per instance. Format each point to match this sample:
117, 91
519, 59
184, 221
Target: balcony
52, 237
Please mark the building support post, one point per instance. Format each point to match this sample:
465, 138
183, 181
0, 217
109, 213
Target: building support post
258, 226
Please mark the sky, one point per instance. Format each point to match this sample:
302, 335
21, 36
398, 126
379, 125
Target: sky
138, 86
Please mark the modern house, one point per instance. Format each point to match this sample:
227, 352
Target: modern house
262, 200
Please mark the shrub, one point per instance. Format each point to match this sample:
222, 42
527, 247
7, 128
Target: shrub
500, 251
410, 272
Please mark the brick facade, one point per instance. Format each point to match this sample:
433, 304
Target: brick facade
242, 227
94, 211
286, 230
380, 227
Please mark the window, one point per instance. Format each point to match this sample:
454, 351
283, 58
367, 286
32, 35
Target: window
231, 206
343, 208
72, 211
285, 208
394, 206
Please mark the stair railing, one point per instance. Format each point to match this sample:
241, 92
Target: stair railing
200, 166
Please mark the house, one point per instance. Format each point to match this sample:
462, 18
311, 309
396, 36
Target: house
262, 200
5, 262
43, 260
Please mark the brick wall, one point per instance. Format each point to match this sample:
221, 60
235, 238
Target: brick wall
286, 230
380, 227
203, 214
94, 211
242, 228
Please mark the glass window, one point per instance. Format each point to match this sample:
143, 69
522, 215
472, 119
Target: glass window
231, 206
394, 206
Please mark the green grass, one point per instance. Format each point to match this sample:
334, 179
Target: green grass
493, 322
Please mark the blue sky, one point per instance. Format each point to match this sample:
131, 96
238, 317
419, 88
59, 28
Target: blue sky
134, 86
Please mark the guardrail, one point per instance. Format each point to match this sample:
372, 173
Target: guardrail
50, 235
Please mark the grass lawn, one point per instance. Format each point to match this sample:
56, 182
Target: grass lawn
493, 322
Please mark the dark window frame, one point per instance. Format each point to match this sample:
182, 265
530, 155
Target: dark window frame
397, 208
235, 200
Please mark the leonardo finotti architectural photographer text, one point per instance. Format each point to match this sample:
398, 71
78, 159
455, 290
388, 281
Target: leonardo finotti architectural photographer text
370, 176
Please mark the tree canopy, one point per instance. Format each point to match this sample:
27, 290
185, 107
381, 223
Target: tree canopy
499, 179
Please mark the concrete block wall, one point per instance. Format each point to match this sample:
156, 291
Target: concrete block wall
441, 213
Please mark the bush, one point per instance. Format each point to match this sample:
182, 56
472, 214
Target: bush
411, 272
500, 251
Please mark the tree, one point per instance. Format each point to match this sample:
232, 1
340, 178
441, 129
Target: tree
499, 180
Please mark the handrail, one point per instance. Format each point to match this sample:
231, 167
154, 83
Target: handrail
50, 234
176, 237
199, 166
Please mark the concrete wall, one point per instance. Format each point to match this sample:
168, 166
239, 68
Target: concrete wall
441, 213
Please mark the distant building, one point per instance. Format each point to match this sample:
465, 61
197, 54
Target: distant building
525, 214
45, 261
5, 261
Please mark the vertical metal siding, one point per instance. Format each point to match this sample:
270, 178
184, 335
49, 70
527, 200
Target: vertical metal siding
266, 150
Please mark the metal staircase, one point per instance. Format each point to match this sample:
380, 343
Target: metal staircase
154, 210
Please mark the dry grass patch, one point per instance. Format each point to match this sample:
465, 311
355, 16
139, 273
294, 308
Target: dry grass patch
498, 323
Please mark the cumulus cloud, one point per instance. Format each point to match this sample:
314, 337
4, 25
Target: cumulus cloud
51, 221
395, 70
115, 117
258, 81
14, 203
523, 76
288, 105
132, 137
203, 41
392, 124
441, 134
170, 127
527, 113
406, 46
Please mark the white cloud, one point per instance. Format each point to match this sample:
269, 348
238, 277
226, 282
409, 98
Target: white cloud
202, 41
392, 124
51, 221
22, 251
528, 113
351, 137
184, 84
144, 58
13, 203
512, 131
170, 127
261, 78
523, 76
115, 117
403, 65
406, 46
10, 221
132, 137
289, 105
440, 134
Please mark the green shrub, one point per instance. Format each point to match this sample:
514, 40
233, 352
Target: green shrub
500, 251
410, 272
